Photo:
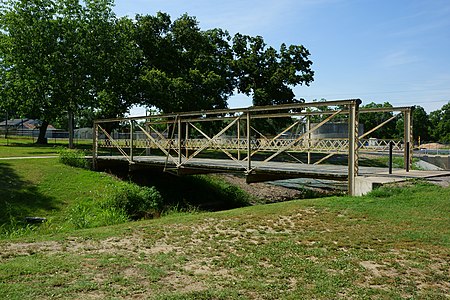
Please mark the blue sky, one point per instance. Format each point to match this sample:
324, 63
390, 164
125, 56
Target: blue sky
376, 50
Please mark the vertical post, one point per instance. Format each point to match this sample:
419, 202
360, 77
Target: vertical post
239, 139
95, 146
391, 147
179, 140
249, 146
70, 117
186, 140
408, 146
148, 149
131, 139
308, 144
353, 146
6, 127
407, 156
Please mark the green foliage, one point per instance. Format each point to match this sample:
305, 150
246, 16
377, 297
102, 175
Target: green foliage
74, 158
184, 68
57, 56
123, 202
440, 124
266, 74
136, 201
90, 214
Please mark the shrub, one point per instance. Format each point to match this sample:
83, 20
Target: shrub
74, 158
136, 201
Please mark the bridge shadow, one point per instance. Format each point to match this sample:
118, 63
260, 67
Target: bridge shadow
19, 198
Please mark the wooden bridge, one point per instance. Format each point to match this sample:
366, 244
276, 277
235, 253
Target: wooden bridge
264, 143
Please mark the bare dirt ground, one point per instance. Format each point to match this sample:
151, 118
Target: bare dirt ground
432, 146
268, 192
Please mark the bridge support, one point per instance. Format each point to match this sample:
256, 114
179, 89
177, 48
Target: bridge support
353, 145
408, 138
95, 147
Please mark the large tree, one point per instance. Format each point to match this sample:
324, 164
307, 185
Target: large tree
183, 67
28, 47
62, 55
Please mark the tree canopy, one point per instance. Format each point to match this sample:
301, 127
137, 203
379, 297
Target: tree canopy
62, 56
76, 56
268, 75
183, 67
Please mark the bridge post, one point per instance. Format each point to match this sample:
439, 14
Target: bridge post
95, 146
408, 148
249, 140
186, 141
179, 140
131, 139
353, 146
308, 129
239, 139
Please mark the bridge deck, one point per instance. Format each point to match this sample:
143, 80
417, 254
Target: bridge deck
268, 170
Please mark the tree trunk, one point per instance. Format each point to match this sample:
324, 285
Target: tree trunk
71, 145
42, 140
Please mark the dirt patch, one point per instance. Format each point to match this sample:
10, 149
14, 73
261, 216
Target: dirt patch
265, 191
432, 146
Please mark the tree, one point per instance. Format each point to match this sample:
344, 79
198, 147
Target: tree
27, 49
421, 124
62, 55
183, 68
440, 122
265, 74
371, 120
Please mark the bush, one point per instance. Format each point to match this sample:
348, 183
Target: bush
74, 158
136, 201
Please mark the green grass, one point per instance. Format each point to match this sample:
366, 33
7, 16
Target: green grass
391, 244
25, 147
71, 198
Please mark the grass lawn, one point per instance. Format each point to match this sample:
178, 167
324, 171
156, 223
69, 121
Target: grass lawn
20, 147
394, 244
391, 244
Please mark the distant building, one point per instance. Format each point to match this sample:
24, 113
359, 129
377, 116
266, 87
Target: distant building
25, 127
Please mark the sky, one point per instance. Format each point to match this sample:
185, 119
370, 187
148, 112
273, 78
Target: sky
395, 51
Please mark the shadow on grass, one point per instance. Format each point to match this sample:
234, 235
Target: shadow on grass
19, 198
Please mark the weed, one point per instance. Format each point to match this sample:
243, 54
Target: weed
74, 158
136, 201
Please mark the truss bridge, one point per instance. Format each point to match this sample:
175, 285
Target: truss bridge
263, 143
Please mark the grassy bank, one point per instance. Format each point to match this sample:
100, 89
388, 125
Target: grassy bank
74, 198
393, 244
